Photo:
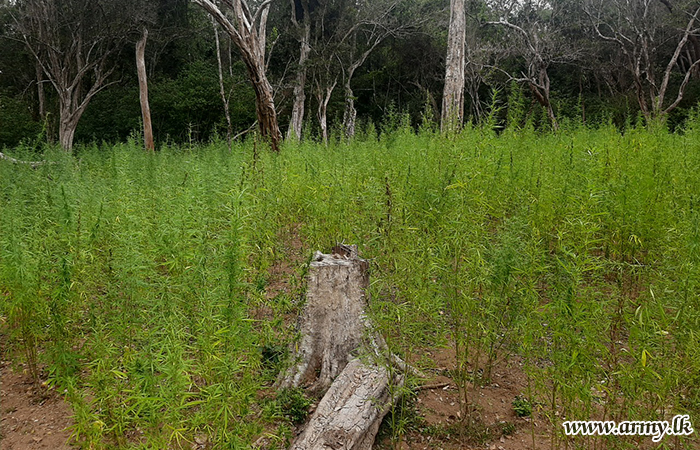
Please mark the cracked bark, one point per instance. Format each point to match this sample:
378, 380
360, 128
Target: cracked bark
342, 356
453, 95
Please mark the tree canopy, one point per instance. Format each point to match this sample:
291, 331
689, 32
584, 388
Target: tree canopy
67, 70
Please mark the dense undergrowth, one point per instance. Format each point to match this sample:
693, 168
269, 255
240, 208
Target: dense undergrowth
130, 279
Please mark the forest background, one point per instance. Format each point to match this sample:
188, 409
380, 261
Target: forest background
597, 62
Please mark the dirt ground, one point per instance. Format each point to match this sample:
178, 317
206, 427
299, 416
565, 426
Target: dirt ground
495, 424
31, 416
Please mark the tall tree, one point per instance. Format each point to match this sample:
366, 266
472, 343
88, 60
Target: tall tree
73, 42
248, 33
533, 34
301, 18
658, 43
453, 94
143, 90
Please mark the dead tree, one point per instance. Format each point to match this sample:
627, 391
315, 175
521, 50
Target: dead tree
323, 97
377, 21
641, 30
533, 32
342, 356
32, 164
143, 91
72, 42
453, 94
301, 19
249, 35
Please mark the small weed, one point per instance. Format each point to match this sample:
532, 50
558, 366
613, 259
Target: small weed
507, 428
522, 407
294, 404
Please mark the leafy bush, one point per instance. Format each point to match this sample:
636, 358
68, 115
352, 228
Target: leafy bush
294, 404
522, 407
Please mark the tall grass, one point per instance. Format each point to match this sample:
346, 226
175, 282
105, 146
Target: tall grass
132, 279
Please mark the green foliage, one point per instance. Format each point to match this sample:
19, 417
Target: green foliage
522, 407
16, 121
192, 102
143, 282
293, 404
184, 109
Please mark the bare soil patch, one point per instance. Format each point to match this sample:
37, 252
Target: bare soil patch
31, 416
493, 423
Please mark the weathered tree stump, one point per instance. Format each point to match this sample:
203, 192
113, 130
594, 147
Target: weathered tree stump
332, 324
335, 332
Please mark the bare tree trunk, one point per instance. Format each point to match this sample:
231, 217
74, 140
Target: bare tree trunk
249, 35
453, 95
350, 114
265, 108
66, 131
323, 98
222, 91
143, 91
41, 96
541, 91
230, 58
297, 120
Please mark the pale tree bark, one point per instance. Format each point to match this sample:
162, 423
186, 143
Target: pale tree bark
453, 94
323, 96
691, 29
633, 28
341, 357
296, 122
349, 415
332, 324
350, 112
143, 90
249, 35
75, 63
222, 90
41, 96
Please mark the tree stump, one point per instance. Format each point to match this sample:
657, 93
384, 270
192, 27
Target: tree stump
340, 355
332, 324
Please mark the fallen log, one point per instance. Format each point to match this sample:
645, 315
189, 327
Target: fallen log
350, 413
342, 356
32, 164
